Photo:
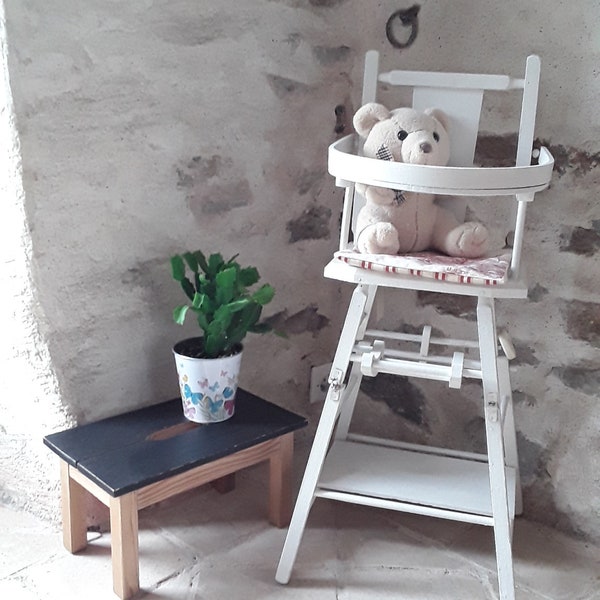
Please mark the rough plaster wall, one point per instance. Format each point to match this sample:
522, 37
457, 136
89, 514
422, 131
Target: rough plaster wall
29, 397
148, 127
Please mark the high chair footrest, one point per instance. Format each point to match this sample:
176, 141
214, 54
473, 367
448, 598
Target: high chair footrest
410, 481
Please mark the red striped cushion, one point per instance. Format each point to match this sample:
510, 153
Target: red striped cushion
491, 270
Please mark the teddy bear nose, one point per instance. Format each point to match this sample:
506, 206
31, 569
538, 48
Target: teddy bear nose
425, 147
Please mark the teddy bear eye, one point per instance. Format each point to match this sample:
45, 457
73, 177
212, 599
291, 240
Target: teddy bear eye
402, 135
436, 136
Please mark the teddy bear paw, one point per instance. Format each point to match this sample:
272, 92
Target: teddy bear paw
472, 240
379, 238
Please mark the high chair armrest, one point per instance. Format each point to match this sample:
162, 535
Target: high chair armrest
347, 167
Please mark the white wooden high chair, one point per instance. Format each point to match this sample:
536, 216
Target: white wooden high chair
343, 466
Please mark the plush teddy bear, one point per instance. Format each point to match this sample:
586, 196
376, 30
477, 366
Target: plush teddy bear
394, 221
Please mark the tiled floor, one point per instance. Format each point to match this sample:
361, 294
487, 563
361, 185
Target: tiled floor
202, 545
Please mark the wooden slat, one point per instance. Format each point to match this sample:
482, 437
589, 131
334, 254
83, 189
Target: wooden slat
205, 473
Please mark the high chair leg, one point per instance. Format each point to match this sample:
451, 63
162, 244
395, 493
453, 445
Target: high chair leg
509, 432
488, 344
356, 318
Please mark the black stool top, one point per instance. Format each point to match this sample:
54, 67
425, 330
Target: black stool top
129, 451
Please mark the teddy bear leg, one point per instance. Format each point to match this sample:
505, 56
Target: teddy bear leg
379, 238
469, 240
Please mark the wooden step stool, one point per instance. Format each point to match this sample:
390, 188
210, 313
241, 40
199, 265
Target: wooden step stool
134, 460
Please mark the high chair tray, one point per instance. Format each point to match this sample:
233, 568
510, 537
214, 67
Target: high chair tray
348, 168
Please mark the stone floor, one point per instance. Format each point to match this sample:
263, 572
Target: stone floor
202, 545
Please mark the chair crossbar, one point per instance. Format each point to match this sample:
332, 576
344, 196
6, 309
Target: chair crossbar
415, 337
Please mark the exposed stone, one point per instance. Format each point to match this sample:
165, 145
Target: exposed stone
327, 55
312, 224
306, 320
309, 180
207, 190
283, 87
537, 292
200, 168
585, 242
583, 378
520, 397
327, 3
532, 458
567, 158
583, 320
496, 150
475, 433
464, 307
525, 354
219, 198
343, 120
403, 397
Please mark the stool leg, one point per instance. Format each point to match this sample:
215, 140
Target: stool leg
355, 318
73, 511
488, 345
124, 545
280, 482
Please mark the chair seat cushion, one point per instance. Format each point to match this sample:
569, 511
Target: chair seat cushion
490, 270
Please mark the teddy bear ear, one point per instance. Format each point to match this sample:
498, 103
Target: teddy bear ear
367, 116
440, 115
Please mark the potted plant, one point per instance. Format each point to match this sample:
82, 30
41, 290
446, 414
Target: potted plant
226, 309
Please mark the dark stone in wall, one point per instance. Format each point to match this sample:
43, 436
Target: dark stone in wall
327, 55
475, 434
283, 87
533, 458
520, 397
582, 320
585, 242
220, 198
496, 150
404, 398
582, 378
567, 158
208, 191
525, 354
312, 224
306, 320
327, 3
464, 307
537, 292
500, 150
309, 180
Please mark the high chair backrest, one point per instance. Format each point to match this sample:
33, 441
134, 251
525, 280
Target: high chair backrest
460, 96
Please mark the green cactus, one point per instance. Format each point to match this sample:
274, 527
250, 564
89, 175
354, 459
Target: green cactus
219, 295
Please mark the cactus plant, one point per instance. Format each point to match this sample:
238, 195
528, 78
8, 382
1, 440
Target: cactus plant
220, 297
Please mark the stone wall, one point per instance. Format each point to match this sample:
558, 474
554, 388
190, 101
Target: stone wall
150, 127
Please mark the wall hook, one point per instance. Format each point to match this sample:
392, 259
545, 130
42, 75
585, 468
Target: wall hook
408, 18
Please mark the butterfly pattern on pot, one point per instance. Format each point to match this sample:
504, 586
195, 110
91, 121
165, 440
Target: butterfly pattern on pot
193, 397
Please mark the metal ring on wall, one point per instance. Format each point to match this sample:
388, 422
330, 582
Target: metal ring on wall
408, 18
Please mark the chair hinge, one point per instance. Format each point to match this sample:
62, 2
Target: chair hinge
491, 406
336, 384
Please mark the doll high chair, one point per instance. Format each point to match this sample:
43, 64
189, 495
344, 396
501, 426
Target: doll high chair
349, 467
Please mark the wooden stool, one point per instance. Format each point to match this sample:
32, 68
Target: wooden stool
134, 460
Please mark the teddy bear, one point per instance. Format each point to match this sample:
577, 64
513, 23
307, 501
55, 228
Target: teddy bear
397, 221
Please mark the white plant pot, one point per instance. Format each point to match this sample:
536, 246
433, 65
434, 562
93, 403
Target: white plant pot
208, 385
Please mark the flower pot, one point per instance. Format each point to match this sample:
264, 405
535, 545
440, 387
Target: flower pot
208, 385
